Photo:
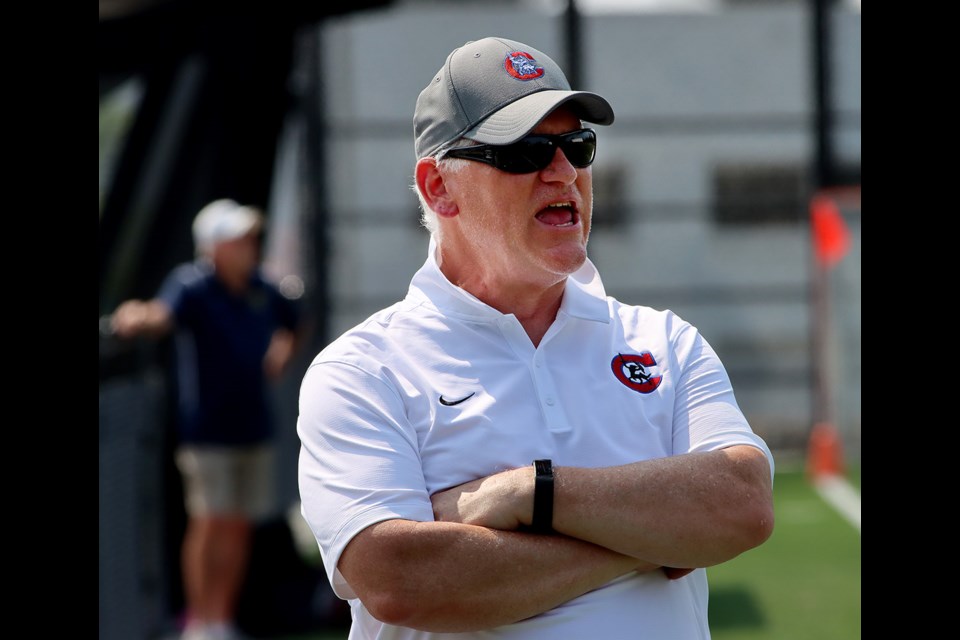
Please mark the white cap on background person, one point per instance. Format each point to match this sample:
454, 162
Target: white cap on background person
223, 220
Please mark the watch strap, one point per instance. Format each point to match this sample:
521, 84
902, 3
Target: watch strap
543, 497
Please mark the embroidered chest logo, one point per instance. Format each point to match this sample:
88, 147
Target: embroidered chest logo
522, 66
638, 372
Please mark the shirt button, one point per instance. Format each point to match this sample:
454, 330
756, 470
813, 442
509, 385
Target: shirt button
550, 401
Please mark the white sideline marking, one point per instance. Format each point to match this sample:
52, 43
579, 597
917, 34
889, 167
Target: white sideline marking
841, 496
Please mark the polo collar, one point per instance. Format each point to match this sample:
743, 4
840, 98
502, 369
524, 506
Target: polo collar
584, 296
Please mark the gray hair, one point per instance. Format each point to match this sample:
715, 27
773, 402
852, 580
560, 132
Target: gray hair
428, 217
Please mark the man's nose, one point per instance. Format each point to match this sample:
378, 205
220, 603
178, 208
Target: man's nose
559, 170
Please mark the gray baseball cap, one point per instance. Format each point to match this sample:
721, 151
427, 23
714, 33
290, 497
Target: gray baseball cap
495, 91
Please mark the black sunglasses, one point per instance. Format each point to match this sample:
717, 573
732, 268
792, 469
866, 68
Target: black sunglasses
534, 152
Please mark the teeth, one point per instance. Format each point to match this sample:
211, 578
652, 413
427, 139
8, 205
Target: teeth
560, 205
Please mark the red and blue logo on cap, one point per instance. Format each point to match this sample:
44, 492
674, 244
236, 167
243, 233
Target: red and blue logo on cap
522, 66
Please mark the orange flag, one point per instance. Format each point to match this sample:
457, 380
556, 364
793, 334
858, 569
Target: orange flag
831, 237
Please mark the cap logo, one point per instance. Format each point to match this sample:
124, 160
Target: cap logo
522, 66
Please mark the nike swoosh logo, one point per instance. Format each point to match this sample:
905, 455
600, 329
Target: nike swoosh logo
450, 403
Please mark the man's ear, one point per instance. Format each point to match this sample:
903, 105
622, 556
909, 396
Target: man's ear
432, 186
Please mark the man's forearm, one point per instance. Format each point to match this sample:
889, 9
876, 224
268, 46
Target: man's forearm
447, 577
693, 510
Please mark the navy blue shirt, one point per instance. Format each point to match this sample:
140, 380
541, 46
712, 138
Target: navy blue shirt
220, 342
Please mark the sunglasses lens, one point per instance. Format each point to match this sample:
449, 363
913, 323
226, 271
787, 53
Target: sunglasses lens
530, 154
535, 153
581, 149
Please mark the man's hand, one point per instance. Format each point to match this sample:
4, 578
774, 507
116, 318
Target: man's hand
675, 574
502, 501
141, 317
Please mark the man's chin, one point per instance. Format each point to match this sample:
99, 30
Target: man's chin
568, 258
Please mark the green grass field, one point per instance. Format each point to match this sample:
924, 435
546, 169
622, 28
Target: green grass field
802, 584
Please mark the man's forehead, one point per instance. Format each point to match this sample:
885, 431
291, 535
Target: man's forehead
561, 117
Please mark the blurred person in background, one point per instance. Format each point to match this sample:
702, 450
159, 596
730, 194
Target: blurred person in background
509, 452
234, 332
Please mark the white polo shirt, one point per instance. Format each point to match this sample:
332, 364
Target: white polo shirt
441, 389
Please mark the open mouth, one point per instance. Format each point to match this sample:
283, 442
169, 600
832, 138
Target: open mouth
559, 214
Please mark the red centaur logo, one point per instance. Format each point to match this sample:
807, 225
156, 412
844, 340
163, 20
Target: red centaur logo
634, 371
522, 66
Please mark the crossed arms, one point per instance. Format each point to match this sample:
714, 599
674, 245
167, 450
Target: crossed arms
471, 569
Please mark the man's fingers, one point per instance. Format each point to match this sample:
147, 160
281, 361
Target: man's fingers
673, 573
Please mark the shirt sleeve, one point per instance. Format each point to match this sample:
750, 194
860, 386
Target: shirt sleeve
175, 292
706, 414
359, 460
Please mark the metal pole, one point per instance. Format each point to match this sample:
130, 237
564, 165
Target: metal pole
572, 36
824, 176
821, 45
314, 189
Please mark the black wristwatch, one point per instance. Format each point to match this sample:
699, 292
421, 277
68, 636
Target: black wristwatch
543, 497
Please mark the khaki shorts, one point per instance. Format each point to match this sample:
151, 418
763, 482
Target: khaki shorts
227, 480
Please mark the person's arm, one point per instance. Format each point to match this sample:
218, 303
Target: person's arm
691, 510
279, 353
133, 318
287, 339
448, 577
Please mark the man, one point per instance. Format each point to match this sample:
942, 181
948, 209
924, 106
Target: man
420, 427
234, 331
